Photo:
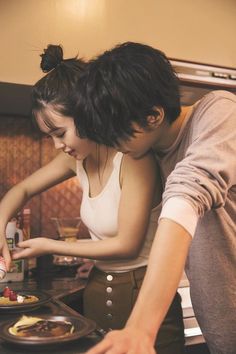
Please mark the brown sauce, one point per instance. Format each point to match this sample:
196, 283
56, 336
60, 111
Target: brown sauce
45, 328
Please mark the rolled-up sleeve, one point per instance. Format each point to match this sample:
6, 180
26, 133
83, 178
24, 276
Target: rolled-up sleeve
181, 212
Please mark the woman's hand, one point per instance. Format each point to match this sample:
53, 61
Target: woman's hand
33, 248
129, 340
84, 270
4, 250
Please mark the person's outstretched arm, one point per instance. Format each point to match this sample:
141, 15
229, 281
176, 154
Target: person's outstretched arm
165, 267
135, 204
59, 169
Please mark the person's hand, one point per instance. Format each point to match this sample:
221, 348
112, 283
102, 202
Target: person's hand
129, 340
32, 248
84, 270
4, 251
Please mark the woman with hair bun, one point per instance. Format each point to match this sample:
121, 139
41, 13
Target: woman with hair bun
118, 206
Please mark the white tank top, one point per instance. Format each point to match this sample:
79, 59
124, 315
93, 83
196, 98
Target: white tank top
100, 215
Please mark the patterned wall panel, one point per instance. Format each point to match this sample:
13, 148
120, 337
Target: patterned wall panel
21, 153
19, 157
62, 200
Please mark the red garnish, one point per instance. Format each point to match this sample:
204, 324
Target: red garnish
13, 296
6, 292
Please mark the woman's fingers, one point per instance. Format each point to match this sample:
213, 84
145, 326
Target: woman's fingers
6, 255
126, 341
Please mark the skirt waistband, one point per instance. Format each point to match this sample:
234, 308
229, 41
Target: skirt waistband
113, 277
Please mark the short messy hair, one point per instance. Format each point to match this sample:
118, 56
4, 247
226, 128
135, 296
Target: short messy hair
121, 86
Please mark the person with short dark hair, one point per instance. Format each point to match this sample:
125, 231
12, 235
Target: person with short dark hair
128, 97
120, 91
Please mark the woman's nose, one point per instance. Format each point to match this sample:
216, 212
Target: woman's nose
58, 144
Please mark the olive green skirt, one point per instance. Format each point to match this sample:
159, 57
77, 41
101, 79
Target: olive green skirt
109, 298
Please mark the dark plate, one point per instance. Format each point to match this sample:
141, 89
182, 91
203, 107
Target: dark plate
43, 298
82, 327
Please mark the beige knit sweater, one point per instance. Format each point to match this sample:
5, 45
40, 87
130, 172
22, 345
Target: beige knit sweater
200, 168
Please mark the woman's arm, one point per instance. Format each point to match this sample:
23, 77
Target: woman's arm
137, 199
59, 169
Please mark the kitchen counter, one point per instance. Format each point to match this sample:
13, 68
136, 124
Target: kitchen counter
64, 291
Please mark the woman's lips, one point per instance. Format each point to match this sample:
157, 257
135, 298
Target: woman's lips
71, 153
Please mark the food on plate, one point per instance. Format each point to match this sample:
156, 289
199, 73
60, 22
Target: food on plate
39, 327
11, 297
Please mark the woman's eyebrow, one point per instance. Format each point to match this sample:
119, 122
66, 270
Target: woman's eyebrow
52, 130
50, 125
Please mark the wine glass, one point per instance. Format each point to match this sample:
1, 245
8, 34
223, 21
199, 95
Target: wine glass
67, 229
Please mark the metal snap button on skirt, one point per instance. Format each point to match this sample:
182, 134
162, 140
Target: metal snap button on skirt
109, 297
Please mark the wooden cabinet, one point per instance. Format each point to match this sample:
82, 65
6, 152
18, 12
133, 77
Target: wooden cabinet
15, 99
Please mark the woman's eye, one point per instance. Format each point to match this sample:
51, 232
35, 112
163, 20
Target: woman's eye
61, 135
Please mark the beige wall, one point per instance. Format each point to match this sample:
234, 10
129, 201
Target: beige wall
199, 30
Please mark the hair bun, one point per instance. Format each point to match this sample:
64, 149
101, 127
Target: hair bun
52, 56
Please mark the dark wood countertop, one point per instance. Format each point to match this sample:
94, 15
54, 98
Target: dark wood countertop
66, 292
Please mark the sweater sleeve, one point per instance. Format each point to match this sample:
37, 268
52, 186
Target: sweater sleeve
180, 211
208, 167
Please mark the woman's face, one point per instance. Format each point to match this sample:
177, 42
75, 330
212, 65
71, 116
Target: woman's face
63, 133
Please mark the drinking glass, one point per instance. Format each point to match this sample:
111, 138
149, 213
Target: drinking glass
67, 229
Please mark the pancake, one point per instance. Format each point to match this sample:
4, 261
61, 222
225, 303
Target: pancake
5, 301
11, 297
41, 328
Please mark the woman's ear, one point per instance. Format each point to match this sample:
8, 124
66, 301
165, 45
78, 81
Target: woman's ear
154, 121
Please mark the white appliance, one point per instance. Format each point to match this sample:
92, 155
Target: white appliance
198, 79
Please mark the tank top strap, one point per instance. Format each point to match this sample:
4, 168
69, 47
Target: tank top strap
117, 159
82, 176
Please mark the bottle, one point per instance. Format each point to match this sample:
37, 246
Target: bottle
3, 270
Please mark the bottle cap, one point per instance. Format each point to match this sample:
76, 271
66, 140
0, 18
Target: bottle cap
11, 229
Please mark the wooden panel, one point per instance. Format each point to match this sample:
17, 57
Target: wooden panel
19, 157
22, 152
15, 99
